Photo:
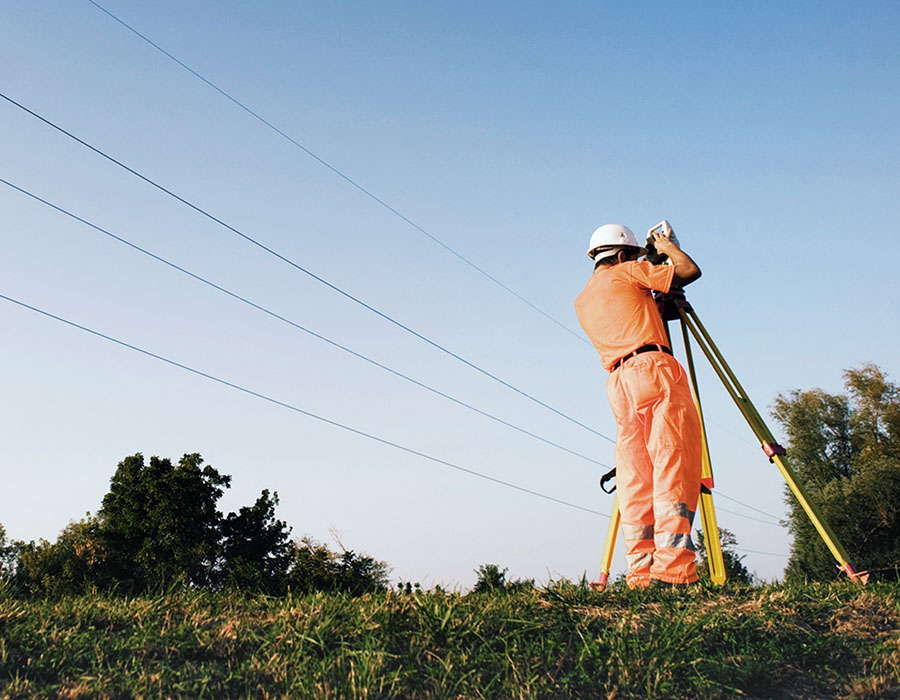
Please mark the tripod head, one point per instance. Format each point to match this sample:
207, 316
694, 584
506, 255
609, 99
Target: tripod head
667, 303
670, 302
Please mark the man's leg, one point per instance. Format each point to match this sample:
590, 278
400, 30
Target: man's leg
635, 487
634, 484
674, 445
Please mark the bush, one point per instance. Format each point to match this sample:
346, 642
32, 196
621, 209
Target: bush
159, 527
491, 580
71, 565
8, 556
735, 571
314, 567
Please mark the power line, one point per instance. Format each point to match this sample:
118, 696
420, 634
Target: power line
279, 317
302, 269
391, 209
355, 184
778, 520
338, 172
302, 411
316, 416
742, 515
346, 294
351, 351
732, 433
768, 554
342, 292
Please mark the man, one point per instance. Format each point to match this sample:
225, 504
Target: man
658, 441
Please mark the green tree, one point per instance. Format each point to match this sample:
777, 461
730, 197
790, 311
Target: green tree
68, 566
256, 552
159, 526
8, 555
160, 523
735, 571
492, 580
845, 449
314, 567
360, 573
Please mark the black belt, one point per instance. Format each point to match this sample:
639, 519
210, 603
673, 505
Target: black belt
643, 348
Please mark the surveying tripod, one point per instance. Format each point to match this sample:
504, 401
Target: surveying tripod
675, 306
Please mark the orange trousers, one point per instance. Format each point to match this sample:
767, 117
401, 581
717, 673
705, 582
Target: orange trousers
658, 461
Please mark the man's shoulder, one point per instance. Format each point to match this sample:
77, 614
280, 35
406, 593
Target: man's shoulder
646, 274
639, 266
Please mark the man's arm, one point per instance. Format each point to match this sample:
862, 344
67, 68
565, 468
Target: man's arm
686, 270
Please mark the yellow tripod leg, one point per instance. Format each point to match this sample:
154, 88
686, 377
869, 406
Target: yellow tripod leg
609, 548
714, 558
831, 541
770, 446
711, 537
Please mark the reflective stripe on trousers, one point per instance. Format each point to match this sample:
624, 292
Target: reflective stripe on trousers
639, 547
657, 466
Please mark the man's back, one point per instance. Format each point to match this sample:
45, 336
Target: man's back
617, 311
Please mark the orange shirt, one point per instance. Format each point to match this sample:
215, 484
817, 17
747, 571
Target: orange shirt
617, 311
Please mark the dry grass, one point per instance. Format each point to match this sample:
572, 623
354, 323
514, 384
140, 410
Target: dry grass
565, 641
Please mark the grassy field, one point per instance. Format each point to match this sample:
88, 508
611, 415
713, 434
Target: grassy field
562, 641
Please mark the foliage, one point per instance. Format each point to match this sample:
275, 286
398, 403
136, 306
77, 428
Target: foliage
491, 580
314, 567
8, 555
835, 640
66, 567
846, 451
255, 550
159, 526
735, 571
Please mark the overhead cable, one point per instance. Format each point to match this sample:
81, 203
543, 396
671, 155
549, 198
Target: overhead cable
281, 403
305, 271
298, 326
353, 182
349, 296
302, 411
338, 172
733, 434
359, 355
742, 515
776, 519
309, 414
768, 554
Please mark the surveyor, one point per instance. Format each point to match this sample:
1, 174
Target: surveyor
658, 440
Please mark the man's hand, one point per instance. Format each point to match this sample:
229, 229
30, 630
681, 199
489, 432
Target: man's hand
663, 242
686, 270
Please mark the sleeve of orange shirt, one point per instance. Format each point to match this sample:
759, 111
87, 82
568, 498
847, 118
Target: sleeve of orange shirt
650, 276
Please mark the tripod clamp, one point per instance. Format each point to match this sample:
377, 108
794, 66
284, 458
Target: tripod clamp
771, 449
670, 302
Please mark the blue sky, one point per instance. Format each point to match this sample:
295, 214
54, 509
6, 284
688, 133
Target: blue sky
765, 132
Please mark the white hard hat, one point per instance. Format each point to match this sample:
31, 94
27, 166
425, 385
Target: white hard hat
608, 238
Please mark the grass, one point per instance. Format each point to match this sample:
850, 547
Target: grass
564, 641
